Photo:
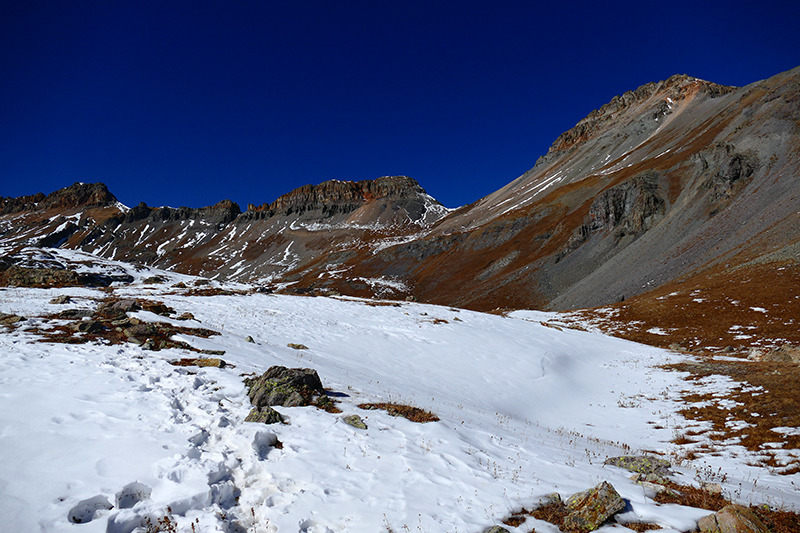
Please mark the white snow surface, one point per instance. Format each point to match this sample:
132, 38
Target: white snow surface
525, 410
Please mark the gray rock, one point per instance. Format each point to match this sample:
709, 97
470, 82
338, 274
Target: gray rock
74, 314
495, 529
141, 330
289, 387
589, 509
355, 421
249, 339
91, 326
62, 299
732, 519
264, 415
642, 464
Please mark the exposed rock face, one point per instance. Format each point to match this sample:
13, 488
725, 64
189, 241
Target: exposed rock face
732, 519
76, 195
342, 197
630, 208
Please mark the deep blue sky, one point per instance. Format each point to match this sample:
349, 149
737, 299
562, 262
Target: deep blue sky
187, 103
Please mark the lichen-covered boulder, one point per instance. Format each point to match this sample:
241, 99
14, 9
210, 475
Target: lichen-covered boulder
355, 421
641, 464
732, 519
264, 415
288, 387
590, 508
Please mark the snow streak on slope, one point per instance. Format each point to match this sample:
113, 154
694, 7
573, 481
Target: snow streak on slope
525, 410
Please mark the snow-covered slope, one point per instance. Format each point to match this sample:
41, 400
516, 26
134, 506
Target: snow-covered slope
525, 410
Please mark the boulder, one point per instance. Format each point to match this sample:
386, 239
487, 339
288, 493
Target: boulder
7, 320
90, 326
62, 299
355, 421
652, 468
589, 509
732, 519
289, 387
74, 314
495, 529
264, 415
116, 310
784, 354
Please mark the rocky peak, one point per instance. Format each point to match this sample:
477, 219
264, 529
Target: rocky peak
336, 196
79, 195
667, 93
76, 195
220, 213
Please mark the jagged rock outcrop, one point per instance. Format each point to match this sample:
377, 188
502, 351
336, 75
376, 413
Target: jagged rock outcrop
76, 195
630, 208
334, 197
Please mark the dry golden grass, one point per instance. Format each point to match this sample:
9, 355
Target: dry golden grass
765, 400
413, 414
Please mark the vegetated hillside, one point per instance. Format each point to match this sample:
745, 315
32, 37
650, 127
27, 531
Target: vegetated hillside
666, 185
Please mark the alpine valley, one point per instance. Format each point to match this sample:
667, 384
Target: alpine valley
669, 217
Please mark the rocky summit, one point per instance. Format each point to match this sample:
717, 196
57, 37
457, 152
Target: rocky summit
677, 186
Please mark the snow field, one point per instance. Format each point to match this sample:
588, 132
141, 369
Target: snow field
525, 410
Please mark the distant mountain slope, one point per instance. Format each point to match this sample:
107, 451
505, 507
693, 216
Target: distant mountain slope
667, 182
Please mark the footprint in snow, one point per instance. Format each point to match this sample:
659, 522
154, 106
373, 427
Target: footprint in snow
86, 509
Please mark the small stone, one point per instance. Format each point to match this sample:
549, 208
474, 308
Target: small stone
553, 498
297, 346
495, 529
414, 299
62, 299
186, 316
355, 421
249, 339
179, 285
212, 352
148, 345
713, 488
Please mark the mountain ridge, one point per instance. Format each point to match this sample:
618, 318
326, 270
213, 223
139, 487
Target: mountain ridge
661, 184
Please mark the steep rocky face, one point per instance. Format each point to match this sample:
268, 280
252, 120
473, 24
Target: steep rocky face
334, 197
